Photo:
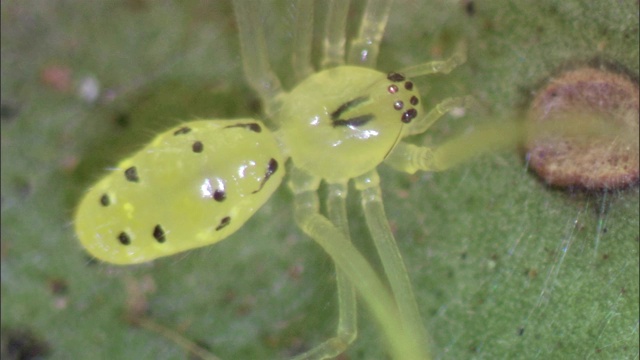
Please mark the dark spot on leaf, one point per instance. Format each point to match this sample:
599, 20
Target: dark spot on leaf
122, 120
58, 286
23, 344
8, 111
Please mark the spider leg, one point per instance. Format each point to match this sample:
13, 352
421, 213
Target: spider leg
499, 135
488, 138
337, 211
302, 40
191, 347
402, 343
438, 67
347, 306
255, 57
394, 267
364, 49
422, 124
334, 34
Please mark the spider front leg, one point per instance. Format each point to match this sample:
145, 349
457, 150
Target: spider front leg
402, 343
493, 137
438, 67
423, 124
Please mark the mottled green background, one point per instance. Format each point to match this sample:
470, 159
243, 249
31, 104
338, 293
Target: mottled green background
503, 266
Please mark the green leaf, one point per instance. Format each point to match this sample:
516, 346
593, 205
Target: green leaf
503, 266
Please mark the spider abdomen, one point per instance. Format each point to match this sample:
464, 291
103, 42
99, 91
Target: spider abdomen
191, 186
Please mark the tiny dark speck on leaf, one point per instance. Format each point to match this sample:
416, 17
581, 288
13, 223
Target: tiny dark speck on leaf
123, 120
8, 111
24, 344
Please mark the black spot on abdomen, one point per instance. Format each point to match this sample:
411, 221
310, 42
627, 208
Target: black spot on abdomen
255, 127
124, 238
158, 234
183, 130
223, 223
131, 174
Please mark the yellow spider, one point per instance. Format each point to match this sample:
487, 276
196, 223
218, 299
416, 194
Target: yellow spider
199, 182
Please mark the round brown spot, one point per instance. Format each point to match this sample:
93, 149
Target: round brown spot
585, 130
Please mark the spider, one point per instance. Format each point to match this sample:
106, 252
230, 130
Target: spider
199, 182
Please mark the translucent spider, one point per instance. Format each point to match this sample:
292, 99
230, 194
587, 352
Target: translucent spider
199, 182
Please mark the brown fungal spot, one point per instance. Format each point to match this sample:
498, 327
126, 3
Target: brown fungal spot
585, 130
